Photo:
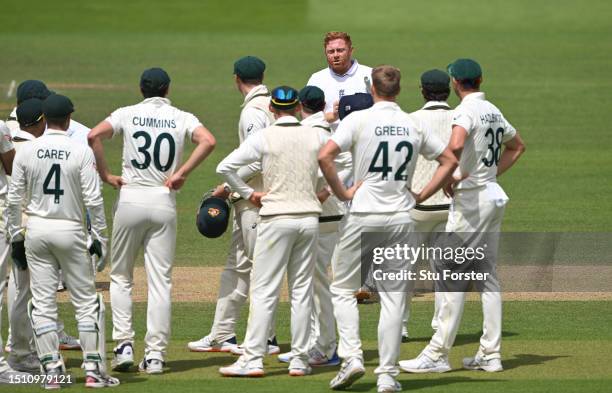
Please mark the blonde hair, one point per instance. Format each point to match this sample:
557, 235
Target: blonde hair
386, 80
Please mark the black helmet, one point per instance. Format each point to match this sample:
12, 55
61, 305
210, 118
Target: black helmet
213, 216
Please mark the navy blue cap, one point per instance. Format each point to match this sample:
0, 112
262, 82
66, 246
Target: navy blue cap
354, 102
32, 88
213, 217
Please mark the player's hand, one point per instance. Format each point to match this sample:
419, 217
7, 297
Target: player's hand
417, 197
221, 192
115, 181
18, 254
332, 116
323, 195
255, 198
176, 181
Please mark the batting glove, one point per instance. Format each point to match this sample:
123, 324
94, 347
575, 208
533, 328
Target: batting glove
18, 254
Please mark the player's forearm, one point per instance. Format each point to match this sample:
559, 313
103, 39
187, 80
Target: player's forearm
101, 164
508, 158
228, 169
448, 164
7, 161
328, 167
198, 155
248, 171
98, 220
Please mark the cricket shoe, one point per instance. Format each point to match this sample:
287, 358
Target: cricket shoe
12, 376
151, 366
300, 371
423, 364
273, 348
67, 342
317, 358
480, 363
387, 384
208, 344
350, 372
54, 378
28, 363
123, 356
94, 378
242, 368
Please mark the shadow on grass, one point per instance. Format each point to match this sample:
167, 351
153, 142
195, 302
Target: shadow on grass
415, 384
190, 364
461, 338
525, 359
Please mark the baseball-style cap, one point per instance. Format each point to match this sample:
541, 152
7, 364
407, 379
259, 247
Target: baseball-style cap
462, 69
154, 79
213, 217
312, 97
57, 106
435, 81
29, 112
249, 67
354, 102
284, 97
32, 88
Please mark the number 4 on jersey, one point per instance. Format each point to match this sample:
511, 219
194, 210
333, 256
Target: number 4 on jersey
56, 191
382, 152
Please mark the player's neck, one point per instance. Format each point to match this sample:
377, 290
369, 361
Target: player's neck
464, 93
246, 89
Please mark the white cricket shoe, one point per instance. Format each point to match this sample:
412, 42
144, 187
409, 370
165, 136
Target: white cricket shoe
284, 357
350, 372
151, 366
123, 356
28, 363
208, 344
273, 348
480, 363
242, 368
299, 371
317, 358
95, 378
67, 342
387, 384
54, 378
423, 364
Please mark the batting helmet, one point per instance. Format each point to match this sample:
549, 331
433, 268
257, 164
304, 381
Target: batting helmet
213, 216
354, 102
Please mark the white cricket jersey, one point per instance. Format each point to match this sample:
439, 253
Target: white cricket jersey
288, 154
6, 145
384, 142
357, 79
55, 177
487, 130
435, 117
75, 130
154, 134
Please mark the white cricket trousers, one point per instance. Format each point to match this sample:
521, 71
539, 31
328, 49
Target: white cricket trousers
51, 245
428, 225
144, 218
323, 331
471, 211
5, 248
235, 278
283, 245
346, 268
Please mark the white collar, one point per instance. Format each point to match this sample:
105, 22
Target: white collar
477, 95
429, 104
385, 104
350, 72
24, 135
156, 100
316, 119
53, 131
257, 90
286, 120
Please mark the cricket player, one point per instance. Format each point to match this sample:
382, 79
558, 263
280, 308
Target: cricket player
384, 142
234, 285
430, 216
56, 178
287, 232
343, 75
478, 134
153, 133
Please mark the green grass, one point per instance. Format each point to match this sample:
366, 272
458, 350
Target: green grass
546, 64
547, 346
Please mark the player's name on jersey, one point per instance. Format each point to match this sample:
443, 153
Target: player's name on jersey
52, 154
153, 122
491, 118
391, 130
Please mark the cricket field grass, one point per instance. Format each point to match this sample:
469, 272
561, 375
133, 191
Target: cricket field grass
547, 65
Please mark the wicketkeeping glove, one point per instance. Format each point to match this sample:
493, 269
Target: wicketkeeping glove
97, 249
18, 254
